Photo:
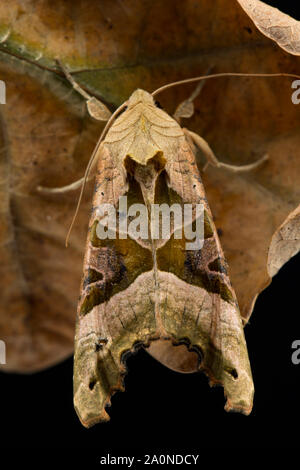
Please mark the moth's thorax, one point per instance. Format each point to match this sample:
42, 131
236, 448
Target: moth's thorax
142, 131
140, 96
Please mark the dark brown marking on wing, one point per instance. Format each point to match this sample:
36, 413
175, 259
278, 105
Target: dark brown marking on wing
192, 266
112, 266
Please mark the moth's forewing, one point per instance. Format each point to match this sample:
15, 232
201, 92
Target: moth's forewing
137, 290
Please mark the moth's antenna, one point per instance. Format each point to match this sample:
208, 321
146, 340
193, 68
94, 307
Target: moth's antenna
223, 74
89, 165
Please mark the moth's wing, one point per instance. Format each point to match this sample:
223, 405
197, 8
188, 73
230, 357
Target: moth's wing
116, 307
125, 301
197, 302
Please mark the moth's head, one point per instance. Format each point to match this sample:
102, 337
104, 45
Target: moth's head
140, 96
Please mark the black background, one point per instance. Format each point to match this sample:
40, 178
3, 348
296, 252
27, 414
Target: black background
166, 411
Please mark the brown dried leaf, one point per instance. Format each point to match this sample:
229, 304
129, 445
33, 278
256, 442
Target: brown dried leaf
285, 242
48, 138
276, 25
43, 139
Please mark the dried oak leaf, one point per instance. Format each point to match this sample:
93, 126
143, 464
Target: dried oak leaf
113, 48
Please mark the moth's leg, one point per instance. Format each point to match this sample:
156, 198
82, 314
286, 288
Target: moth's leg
95, 107
64, 189
186, 108
212, 159
70, 187
97, 110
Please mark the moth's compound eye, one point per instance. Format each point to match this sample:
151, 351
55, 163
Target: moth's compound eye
158, 105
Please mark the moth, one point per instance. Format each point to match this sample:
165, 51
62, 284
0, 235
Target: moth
136, 290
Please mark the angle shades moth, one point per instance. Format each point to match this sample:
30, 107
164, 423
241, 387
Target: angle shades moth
138, 290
